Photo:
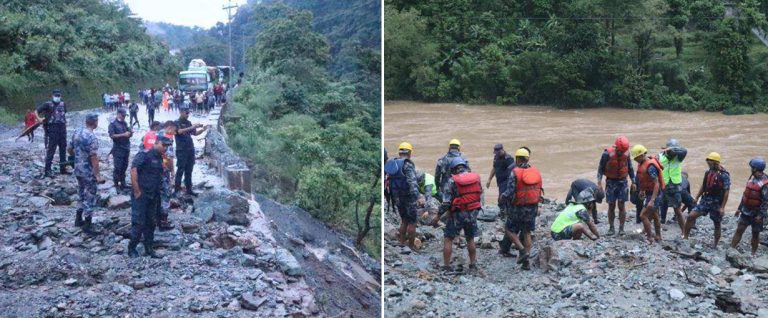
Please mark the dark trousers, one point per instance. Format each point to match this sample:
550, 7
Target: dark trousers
143, 217
135, 119
57, 138
185, 162
151, 115
121, 165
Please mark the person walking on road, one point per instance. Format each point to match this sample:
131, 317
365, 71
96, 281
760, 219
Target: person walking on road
133, 109
146, 181
84, 146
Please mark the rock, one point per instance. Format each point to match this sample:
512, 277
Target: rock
251, 302
489, 213
676, 294
715, 270
119, 202
190, 227
61, 197
737, 259
172, 240
70, 282
287, 263
760, 264
139, 284
223, 206
38, 202
693, 292
45, 243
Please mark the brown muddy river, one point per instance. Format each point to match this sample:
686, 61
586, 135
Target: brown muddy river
567, 144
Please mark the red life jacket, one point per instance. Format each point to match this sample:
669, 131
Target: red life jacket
752, 197
616, 168
713, 182
645, 181
469, 188
149, 140
528, 186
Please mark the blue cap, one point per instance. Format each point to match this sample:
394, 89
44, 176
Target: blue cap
121, 111
91, 117
165, 140
56, 92
498, 147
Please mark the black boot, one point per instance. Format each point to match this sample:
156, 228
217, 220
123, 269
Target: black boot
150, 251
79, 218
63, 170
87, 226
132, 252
164, 224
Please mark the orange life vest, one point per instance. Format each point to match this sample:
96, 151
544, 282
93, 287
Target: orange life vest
645, 181
528, 186
469, 188
616, 168
149, 140
752, 198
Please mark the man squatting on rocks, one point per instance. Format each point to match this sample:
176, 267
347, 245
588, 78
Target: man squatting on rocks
461, 202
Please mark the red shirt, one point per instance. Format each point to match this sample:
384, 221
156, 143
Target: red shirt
30, 119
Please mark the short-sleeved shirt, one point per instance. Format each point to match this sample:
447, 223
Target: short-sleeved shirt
184, 140
85, 144
149, 165
579, 185
500, 167
117, 127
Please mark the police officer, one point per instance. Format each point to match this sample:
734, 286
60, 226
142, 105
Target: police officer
54, 118
146, 180
461, 200
84, 146
442, 169
134, 110
404, 189
121, 147
185, 149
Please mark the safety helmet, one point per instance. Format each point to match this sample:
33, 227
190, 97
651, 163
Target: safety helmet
637, 151
405, 146
585, 196
522, 153
419, 176
757, 163
672, 143
599, 195
713, 156
622, 144
454, 142
458, 161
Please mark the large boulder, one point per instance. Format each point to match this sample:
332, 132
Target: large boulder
223, 206
119, 202
287, 263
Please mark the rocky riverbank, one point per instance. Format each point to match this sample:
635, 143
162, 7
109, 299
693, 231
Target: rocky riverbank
222, 258
617, 276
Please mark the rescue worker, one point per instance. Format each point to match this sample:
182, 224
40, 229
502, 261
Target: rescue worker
428, 189
616, 166
442, 170
121, 148
185, 150
54, 117
146, 180
671, 160
169, 131
524, 190
754, 205
714, 196
651, 184
149, 139
502, 163
461, 200
133, 109
404, 189
84, 146
579, 185
574, 220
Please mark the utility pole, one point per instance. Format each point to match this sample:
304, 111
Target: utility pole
229, 8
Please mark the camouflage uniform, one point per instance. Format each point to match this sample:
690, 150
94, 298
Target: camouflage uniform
85, 144
167, 189
442, 170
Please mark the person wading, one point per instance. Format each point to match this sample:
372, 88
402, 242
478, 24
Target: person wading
524, 190
461, 200
712, 196
404, 188
616, 166
754, 205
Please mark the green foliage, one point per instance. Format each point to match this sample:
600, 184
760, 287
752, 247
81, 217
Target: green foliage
46, 44
663, 54
313, 137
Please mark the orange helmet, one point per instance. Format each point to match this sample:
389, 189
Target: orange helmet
622, 144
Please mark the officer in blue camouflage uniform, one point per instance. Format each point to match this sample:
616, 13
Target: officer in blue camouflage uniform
147, 181
84, 146
169, 130
54, 112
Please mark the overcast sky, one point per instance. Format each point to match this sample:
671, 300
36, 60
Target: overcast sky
202, 13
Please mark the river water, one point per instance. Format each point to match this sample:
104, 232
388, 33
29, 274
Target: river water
567, 144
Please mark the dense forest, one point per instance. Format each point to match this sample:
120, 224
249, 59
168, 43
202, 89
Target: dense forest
308, 118
661, 54
84, 47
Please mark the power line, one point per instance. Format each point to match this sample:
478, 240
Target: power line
229, 8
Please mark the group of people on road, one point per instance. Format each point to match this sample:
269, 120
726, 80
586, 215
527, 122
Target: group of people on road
658, 183
154, 181
112, 101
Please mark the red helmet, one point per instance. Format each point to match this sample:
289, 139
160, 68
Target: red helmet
622, 144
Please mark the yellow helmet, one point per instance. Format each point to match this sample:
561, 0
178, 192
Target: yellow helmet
522, 153
637, 151
405, 146
454, 142
713, 156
